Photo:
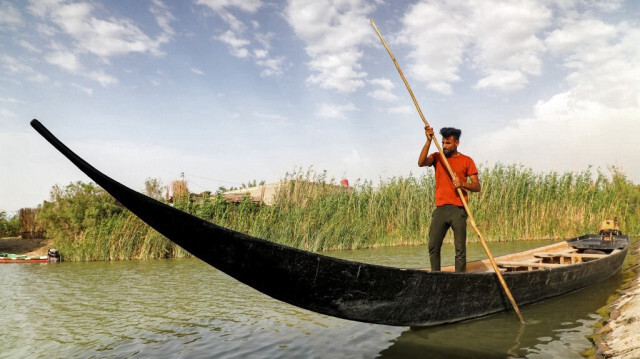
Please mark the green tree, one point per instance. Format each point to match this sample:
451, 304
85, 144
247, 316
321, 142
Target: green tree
75, 208
154, 188
3, 223
9, 226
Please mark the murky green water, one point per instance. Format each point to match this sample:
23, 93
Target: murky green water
185, 308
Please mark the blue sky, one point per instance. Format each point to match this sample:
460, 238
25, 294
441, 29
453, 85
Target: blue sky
227, 91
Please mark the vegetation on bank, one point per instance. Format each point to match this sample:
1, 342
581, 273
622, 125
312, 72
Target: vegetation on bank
9, 226
311, 212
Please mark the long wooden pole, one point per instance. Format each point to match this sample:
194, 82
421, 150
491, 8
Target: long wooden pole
446, 163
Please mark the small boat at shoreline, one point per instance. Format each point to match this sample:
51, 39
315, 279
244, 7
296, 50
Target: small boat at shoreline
367, 292
19, 258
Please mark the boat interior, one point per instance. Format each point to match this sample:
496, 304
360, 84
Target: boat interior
547, 257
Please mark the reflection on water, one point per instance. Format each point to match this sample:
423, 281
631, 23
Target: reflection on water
554, 328
185, 308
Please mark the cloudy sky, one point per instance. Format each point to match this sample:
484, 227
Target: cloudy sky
227, 91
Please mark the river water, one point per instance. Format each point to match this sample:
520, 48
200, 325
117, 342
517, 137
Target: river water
185, 308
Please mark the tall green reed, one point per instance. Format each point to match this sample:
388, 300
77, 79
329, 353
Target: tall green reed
314, 213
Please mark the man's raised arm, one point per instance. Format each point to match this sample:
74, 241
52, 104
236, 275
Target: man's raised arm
424, 159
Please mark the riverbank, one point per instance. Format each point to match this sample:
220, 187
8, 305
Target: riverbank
30, 247
620, 335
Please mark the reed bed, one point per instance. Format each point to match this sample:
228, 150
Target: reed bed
314, 213
179, 189
29, 227
87, 224
515, 204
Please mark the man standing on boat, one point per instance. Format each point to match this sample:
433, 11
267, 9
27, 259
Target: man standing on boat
449, 212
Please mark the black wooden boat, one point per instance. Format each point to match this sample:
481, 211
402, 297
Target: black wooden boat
366, 292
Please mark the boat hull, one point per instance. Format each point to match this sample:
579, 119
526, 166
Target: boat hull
341, 288
5, 260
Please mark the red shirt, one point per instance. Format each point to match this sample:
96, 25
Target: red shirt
463, 166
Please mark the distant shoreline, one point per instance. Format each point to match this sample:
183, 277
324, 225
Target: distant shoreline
31, 247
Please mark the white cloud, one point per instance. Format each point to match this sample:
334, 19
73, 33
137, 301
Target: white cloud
46, 30
7, 113
273, 66
384, 93
338, 71
65, 60
9, 100
102, 78
10, 17
16, 67
223, 5
164, 18
498, 39
606, 6
574, 34
353, 158
69, 62
566, 133
437, 35
503, 80
332, 32
87, 90
402, 110
274, 118
91, 34
596, 120
264, 39
270, 116
237, 44
29, 47
385, 83
103, 37
233, 22
603, 59
506, 46
335, 111
197, 71
12, 65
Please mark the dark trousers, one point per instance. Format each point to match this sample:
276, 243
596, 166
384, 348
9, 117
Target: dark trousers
443, 218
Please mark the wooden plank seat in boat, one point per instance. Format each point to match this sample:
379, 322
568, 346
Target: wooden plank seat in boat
573, 257
530, 265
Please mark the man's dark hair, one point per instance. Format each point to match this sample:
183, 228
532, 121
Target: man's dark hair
450, 131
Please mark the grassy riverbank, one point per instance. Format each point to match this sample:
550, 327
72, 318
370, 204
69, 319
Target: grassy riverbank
313, 214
